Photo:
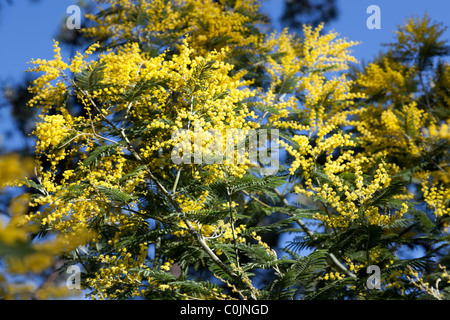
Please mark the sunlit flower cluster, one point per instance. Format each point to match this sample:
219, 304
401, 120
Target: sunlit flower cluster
160, 102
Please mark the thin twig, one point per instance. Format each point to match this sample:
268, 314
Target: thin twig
232, 227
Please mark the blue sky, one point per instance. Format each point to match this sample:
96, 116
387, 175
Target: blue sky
351, 21
26, 31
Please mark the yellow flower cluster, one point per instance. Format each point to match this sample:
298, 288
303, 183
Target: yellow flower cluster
416, 31
375, 218
117, 272
164, 94
393, 131
353, 266
13, 167
325, 109
332, 275
405, 126
223, 231
289, 63
123, 71
79, 63
394, 279
388, 77
441, 131
390, 121
346, 200
47, 91
304, 68
210, 28
138, 96
437, 198
128, 68
321, 51
52, 131
21, 257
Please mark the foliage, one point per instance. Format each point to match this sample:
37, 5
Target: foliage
299, 12
365, 171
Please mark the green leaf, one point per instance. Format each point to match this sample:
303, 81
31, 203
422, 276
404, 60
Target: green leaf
206, 216
139, 89
328, 291
154, 274
115, 195
32, 184
276, 226
73, 192
64, 142
132, 173
221, 95
252, 183
100, 152
287, 85
90, 79
305, 266
422, 218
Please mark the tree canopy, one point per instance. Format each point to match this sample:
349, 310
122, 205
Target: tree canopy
153, 168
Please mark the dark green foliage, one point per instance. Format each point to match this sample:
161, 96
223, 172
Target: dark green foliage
91, 78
